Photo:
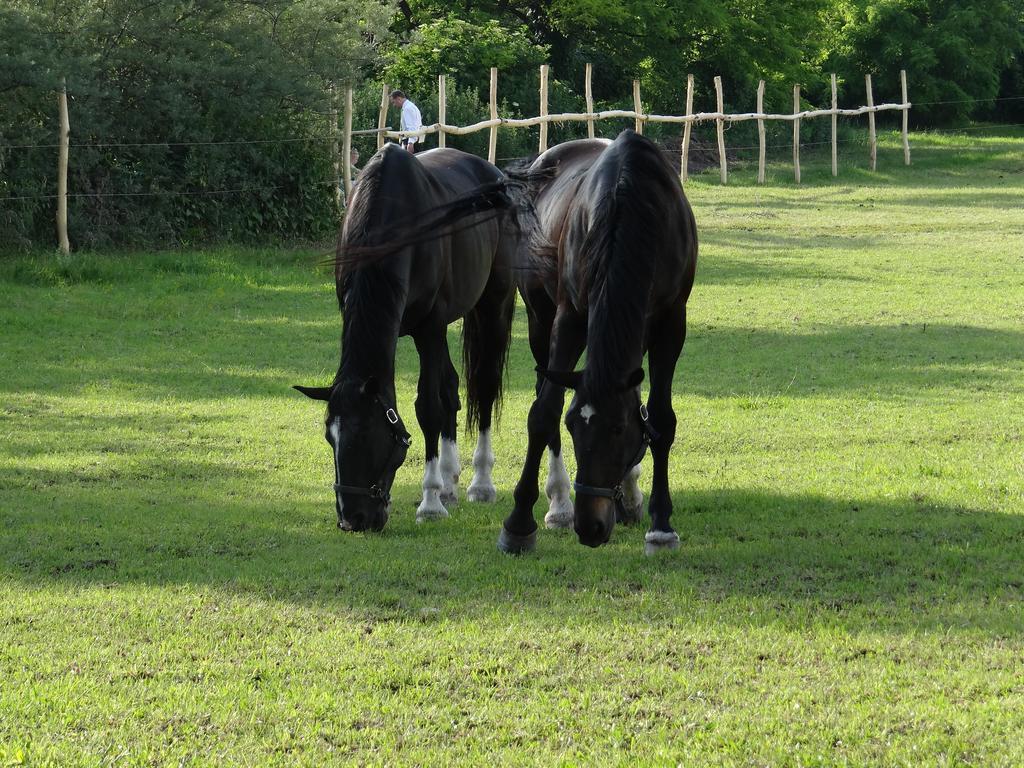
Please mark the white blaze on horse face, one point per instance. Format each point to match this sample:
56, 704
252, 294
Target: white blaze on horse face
560, 512
431, 507
481, 488
586, 412
334, 430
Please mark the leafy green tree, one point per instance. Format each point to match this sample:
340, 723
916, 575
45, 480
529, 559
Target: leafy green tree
171, 104
953, 50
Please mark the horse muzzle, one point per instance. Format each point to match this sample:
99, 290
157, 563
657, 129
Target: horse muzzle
594, 519
369, 515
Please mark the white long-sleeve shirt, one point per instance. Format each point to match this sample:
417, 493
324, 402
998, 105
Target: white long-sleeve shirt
411, 119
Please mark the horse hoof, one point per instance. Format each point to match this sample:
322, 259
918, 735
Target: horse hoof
450, 499
560, 515
629, 515
514, 544
486, 494
429, 515
660, 541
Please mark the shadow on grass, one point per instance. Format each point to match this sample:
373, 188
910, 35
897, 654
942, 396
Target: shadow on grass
859, 563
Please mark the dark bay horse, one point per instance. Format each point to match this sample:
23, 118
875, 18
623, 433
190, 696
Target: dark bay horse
391, 284
612, 254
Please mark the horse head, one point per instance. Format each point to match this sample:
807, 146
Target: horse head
369, 443
610, 433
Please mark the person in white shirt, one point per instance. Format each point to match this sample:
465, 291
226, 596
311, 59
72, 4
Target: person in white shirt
411, 119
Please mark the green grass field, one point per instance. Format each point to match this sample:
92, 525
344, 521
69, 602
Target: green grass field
847, 482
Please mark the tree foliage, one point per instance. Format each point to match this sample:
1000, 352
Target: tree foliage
175, 102
172, 103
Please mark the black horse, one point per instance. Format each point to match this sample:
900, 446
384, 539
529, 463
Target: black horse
611, 258
405, 268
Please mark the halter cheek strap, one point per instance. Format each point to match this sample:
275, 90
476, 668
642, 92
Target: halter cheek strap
401, 439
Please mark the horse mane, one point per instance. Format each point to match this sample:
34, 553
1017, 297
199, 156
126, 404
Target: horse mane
627, 216
371, 299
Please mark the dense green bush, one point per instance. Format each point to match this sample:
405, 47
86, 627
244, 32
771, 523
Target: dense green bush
174, 107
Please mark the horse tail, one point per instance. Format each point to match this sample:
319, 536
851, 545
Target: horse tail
486, 340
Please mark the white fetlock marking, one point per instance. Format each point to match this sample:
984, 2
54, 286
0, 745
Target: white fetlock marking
482, 486
431, 507
560, 512
632, 496
661, 537
450, 469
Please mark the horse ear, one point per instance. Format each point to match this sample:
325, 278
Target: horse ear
371, 387
567, 379
634, 380
315, 393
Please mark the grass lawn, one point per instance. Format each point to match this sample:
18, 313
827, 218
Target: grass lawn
847, 482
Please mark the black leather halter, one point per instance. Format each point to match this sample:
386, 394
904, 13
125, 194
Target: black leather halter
615, 493
401, 440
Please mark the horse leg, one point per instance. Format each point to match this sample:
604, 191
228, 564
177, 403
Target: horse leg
632, 497
493, 314
665, 349
568, 338
431, 345
560, 512
450, 465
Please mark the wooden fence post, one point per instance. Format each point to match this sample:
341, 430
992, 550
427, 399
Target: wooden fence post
637, 107
332, 122
760, 133
590, 99
684, 155
906, 117
720, 125
543, 145
492, 142
871, 123
382, 118
346, 161
442, 110
62, 169
835, 127
796, 133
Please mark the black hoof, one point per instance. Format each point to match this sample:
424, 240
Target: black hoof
514, 544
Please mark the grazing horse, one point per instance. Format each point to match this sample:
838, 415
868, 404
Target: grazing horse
611, 256
403, 269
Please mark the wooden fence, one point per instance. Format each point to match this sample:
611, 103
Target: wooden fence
641, 118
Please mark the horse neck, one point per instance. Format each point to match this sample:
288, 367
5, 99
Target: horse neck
372, 316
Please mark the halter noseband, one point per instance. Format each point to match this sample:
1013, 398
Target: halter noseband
401, 438
615, 493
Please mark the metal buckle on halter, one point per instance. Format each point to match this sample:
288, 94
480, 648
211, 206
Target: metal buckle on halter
391, 415
643, 413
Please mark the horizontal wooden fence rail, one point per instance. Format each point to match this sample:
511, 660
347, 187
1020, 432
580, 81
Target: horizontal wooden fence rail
641, 118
